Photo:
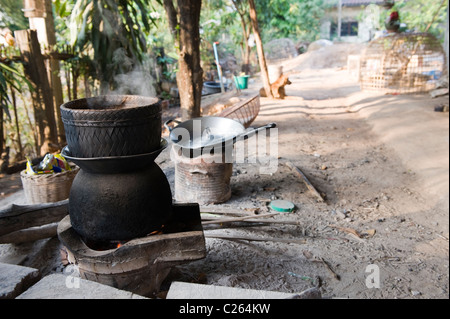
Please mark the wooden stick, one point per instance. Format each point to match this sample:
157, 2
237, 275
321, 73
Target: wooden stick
306, 181
279, 240
313, 258
336, 276
346, 230
355, 234
268, 221
227, 211
217, 214
238, 219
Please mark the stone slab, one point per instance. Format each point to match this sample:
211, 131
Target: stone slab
58, 286
181, 290
14, 280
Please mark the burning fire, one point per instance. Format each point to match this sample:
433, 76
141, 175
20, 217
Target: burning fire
156, 232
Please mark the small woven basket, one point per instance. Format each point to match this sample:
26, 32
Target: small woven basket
245, 112
48, 188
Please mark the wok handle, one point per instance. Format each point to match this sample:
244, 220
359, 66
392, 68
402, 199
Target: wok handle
166, 125
250, 133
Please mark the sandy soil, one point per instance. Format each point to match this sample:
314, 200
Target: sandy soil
382, 164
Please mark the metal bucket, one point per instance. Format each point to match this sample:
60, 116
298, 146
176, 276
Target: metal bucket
200, 181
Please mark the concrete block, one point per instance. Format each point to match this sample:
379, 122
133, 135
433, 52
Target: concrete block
66, 287
181, 290
14, 280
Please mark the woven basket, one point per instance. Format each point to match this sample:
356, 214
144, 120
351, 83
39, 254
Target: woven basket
48, 188
402, 63
245, 112
109, 126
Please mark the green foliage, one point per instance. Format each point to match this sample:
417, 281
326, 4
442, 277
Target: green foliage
10, 77
222, 21
418, 14
11, 15
296, 19
218, 18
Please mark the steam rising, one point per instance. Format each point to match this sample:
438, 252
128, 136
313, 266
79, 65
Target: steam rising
135, 79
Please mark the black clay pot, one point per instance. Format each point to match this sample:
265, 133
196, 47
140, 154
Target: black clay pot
107, 208
116, 125
116, 164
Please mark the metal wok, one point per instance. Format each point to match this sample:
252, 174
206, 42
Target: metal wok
207, 133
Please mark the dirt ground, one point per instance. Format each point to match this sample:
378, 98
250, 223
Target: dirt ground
382, 164
371, 186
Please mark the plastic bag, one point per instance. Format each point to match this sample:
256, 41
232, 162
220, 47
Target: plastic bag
51, 164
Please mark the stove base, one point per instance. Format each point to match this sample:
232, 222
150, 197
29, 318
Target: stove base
140, 265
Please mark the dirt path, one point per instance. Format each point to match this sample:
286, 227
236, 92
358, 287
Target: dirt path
370, 187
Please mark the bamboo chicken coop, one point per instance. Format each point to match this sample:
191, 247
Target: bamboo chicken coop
402, 63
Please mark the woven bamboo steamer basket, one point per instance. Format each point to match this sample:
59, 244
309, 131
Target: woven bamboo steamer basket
116, 125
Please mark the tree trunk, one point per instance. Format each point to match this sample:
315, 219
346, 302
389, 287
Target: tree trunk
36, 73
185, 26
87, 88
75, 76
20, 154
260, 48
246, 58
446, 43
45, 26
54, 71
172, 15
245, 37
2, 139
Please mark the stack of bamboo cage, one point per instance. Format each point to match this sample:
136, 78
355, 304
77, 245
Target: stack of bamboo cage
402, 63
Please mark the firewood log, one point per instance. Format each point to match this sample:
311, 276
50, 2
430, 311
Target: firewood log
16, 218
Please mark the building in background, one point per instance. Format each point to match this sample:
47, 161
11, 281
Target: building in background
352, 20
